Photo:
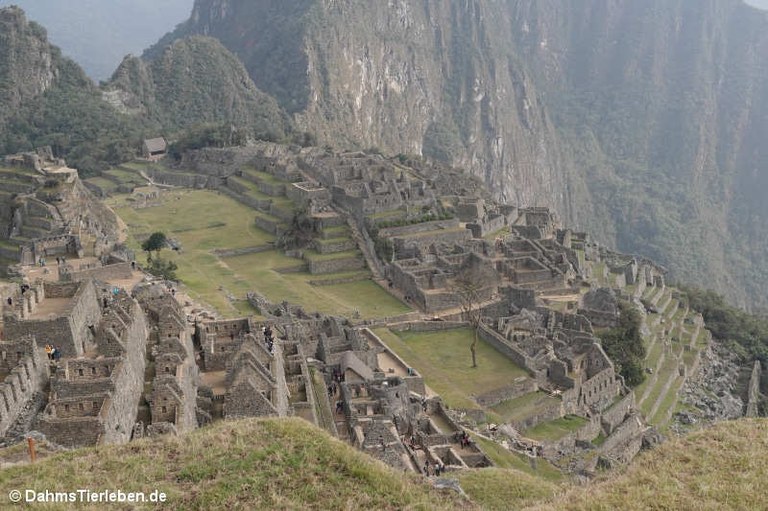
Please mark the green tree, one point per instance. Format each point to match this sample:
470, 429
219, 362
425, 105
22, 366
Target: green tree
624, 345
155, 243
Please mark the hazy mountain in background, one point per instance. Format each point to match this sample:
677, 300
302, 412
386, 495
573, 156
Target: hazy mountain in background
760, 4
97, 34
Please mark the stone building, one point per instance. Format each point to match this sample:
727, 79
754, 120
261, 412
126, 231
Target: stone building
173, 398
95, 395
58, 314
23, 373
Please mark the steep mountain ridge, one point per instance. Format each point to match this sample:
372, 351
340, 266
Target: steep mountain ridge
98, 34
28, 65
47, 100
410, 77
638, 121
194, 80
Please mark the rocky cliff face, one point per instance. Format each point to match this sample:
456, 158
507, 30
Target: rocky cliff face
640, 121
665, 103
406, 77
27, 61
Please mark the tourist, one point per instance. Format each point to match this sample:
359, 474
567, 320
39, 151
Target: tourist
10, 301
383, 443
438, 468
57, 354
426, 468
49, 351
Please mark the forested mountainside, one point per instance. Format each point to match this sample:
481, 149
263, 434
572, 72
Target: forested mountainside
98, 34
194, 80
46, 99
638, 121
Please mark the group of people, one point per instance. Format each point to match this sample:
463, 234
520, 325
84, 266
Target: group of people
53, 352
464, 439
435, 471
269, 339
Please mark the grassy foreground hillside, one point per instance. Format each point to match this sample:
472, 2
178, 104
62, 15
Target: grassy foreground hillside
719, 468
249, 464
290, 464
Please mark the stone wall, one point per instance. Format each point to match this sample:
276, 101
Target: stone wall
96, 399
615, 415
505, 347
407, 230
26, 373
626, 440
551, 411
753, 391
69, 330
517, 389
340, 264
117, 271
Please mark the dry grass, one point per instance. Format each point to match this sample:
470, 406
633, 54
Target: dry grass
720, 468
251, 464
503, 489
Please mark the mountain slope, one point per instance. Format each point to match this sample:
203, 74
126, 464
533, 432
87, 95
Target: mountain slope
638, 121
195, 80
46, 99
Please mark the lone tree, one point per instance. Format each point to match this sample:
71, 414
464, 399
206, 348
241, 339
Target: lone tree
474, 283
155, 243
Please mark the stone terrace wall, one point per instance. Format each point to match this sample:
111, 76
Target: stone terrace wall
613, 416
342, 264
517, 389
28, 376
506, 347
753, 391
110, 272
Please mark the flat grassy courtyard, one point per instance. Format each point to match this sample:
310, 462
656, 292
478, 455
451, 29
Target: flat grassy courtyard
444, 360
555, 429
524, 406
203, 221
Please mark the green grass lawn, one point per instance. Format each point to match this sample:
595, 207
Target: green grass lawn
103, 183
365, 296
555, 429
203, 221
444, 360
504, 458
524, 406
669, 368
501, 489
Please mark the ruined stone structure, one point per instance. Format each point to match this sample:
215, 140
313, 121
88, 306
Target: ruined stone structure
23, 373
173, 398
94, 395
58, 314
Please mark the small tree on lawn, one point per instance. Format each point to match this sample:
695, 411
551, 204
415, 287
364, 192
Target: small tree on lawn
155, 243
471, 284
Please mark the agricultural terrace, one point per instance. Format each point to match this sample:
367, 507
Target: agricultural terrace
207, 224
